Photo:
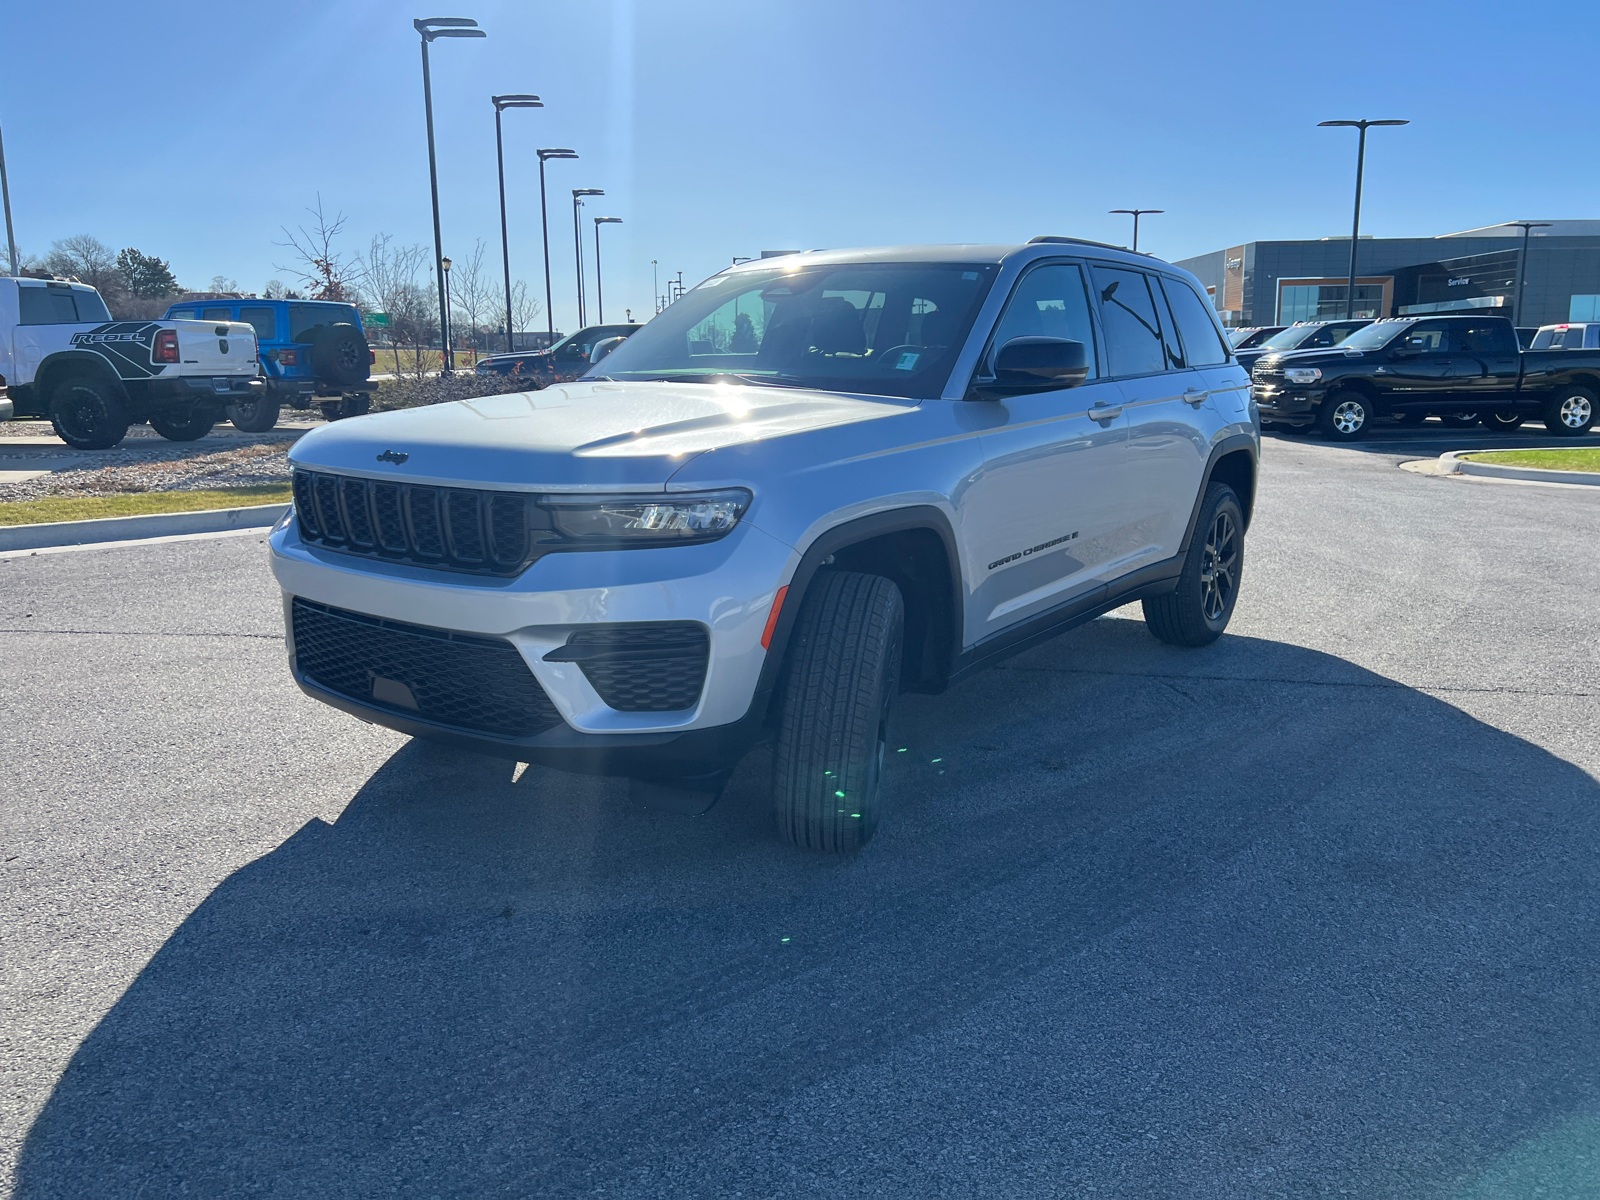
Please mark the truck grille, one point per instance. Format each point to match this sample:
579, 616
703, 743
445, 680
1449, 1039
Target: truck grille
458, 679
456, 529
645, 667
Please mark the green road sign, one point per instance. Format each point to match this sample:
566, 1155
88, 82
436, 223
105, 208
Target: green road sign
377, 318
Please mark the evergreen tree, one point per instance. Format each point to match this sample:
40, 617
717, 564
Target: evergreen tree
145, 275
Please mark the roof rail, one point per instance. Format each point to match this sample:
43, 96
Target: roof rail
1072, 241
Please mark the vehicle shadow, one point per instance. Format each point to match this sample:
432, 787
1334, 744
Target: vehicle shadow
1433, 438
1152, 921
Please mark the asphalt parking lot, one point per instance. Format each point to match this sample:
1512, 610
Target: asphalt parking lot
1311, 912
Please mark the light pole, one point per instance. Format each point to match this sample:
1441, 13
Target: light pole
577, 243
1527, 228
500, 103
448, 358
544, 221
439, 27
1136, 214
655, 285
5, 194
1355, 228
599, 289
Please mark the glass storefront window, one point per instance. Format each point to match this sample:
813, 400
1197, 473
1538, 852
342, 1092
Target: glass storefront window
1584, 308
1326, 302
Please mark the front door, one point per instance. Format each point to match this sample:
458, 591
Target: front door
1047, 513
1416, 373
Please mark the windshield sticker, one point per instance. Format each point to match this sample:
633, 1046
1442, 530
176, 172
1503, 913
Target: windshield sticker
908, 361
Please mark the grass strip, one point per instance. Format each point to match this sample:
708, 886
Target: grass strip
134, 504
1579, 458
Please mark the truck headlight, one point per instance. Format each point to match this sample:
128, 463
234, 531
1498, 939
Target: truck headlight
1302, 374
647, 520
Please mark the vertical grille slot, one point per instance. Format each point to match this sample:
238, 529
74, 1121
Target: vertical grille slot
454, 529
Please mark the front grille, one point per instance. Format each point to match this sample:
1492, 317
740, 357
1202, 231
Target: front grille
459, 679
645, 667
456, 529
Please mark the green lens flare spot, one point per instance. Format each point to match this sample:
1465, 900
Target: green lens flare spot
840, 795
786, 939
857, 816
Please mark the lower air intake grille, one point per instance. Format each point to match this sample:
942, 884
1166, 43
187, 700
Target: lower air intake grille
460, 679
645, 667
456, 529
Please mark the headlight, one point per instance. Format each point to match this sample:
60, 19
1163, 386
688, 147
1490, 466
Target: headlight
1302, 374
647, 520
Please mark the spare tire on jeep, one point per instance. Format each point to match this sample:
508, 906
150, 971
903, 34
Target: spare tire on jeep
339, 353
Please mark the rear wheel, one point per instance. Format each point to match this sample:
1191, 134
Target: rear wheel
842, 677
88, 414
1345, 416
1503, 421
183, 426
1570, 412
254, 416
1197, 611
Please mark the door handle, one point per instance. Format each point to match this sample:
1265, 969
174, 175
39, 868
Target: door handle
1104, 412
1195, 396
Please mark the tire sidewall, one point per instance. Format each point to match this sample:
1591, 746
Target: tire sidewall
1222, 498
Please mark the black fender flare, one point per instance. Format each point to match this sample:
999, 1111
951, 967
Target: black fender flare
64, 363
840, 537
1230, 445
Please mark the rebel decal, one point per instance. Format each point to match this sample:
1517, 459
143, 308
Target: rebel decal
126, 344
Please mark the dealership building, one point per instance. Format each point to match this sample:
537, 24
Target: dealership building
1277, 283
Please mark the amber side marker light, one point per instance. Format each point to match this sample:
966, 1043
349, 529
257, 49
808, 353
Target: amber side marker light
772, 617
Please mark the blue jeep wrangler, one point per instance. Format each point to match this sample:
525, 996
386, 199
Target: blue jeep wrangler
312, 352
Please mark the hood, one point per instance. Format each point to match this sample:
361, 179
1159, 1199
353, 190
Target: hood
576, 437
1278, 359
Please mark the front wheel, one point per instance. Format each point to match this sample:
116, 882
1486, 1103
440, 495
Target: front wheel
1570, 412
841, 680
188, 426
1502, 421
88, 415
1197, 611
254, 416
1345, 416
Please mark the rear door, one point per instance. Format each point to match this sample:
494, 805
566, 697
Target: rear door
1417, 372
1047, 515
1484, 361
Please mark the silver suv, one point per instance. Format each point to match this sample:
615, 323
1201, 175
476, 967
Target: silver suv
812, 483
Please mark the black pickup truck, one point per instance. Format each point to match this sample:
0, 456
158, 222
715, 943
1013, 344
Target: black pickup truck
1464, 369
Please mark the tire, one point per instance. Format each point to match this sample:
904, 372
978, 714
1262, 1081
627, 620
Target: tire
1460, 420
840, 684
182, 426
1570, 412
1197, 611
88, 414
1345, 416
254, 416
1503, 422
338, 354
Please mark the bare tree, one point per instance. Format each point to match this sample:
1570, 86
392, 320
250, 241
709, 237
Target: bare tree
85, 257
525, 310
318, 265
388, 278
471, 293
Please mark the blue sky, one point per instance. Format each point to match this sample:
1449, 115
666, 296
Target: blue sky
724, 127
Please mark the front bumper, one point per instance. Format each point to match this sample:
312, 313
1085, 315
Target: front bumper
1281, 405
728, 586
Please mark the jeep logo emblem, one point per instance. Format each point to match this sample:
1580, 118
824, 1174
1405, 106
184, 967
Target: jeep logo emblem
393, 456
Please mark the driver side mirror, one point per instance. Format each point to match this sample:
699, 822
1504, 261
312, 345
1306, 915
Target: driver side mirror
1036, 364
605, 347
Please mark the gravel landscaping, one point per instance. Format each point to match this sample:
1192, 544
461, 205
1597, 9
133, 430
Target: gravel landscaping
165, 468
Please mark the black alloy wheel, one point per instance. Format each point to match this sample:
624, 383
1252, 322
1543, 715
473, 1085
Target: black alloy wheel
1345, 416
1197, 611
88, 414
254, 416
1570, 412
185, 425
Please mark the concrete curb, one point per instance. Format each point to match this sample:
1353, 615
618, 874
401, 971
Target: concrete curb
1452, 463
127, 529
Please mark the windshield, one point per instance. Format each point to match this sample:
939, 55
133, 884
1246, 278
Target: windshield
1374, 336
1289, 338
884, 329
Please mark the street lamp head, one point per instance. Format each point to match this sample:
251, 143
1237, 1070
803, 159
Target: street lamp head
445, 263
608, 220
438, 27
1137, 212
1360, 124
544, 154
502, 102
1526, 225
576, 192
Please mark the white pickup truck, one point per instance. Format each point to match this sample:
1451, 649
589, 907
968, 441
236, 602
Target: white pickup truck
63, 357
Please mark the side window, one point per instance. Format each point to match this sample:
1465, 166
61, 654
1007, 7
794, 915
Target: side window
46, 306
1202, 344
1425, 339
1322, 337
187, 314
217, 314
265, 321
1049, 302
1488, 339
1128, 315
